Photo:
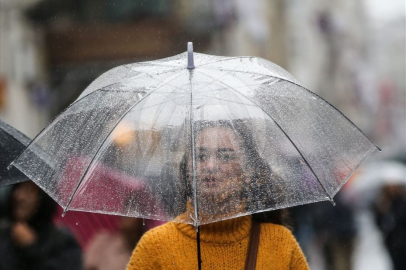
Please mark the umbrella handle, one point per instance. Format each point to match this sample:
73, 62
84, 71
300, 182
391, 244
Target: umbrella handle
199, 256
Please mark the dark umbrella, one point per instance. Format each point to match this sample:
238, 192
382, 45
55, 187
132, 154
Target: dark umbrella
12, 143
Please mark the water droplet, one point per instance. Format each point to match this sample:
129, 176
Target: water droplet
77, 223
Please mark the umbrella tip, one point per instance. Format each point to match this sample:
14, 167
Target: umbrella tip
190, 62
10, 165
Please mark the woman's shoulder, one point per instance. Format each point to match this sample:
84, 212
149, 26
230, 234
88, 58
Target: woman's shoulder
159, 233
154, 242
277, 231
272, 227
287, 250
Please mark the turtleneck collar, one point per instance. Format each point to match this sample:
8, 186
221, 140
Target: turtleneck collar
222, 232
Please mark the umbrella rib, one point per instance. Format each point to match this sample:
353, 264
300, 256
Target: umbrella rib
144, 74
150, 63
221, 60
177, 87
193, 150
31, 142
122, 91
255, 73
284, 132
195, 90
166, 82
146, 63
112, 129
192, 138
226, 59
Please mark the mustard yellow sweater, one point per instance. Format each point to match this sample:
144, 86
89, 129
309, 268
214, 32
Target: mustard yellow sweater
223, 246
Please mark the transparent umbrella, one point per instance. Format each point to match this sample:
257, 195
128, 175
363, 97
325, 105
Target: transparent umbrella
12, 143
267, 141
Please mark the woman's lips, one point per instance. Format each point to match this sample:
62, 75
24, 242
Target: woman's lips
210, 181
209, 178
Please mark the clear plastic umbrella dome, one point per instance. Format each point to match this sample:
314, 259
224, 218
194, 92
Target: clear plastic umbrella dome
216, 139
12, 143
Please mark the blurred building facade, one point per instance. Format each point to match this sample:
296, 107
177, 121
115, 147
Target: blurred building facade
23, 73
54, 49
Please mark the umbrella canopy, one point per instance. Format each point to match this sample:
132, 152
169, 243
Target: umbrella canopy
200, 141
12, 143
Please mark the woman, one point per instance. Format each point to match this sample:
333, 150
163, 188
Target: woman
29, 239
231, 181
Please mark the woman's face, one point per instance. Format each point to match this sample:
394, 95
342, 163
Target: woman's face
25, 201
219, 160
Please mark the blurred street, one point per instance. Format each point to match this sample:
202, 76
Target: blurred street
368, 252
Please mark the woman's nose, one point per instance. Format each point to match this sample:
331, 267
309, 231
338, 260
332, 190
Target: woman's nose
210, 164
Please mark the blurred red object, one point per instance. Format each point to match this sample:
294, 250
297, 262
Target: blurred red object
105, 182
84, 226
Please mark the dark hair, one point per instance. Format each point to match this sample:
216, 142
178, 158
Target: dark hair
43, 216
255, 193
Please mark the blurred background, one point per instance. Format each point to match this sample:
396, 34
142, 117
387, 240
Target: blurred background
351, 53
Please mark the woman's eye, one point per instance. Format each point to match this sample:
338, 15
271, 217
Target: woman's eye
202, 157
226, 157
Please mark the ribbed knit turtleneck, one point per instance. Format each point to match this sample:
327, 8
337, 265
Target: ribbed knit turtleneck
222, 232
223, 245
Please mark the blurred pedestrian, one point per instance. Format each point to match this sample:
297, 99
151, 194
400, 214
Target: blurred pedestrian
335, 231
111, 251
29, 239
302, 219
390, 215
